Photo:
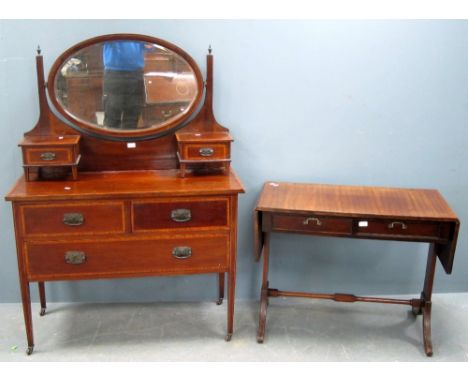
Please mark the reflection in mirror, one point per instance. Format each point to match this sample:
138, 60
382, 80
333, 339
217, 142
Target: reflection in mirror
125, 85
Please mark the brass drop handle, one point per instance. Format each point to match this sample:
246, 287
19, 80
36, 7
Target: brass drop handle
48, 156
181, 215
166, 113
206, 151
182, 253
316, 220
393, 224
73, 219
75, 257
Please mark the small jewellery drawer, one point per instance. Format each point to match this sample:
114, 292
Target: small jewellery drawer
312, 224
153, 215
94, 259
73, 218
47, 156
405, 228
206, 151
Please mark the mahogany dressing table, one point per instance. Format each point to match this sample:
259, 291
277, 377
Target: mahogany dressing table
417, 215
109, 201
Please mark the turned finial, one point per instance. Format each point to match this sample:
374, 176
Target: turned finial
38, 49
209, 49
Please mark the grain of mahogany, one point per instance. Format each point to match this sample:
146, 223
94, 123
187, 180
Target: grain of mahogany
115, 236
205, 134
356, 212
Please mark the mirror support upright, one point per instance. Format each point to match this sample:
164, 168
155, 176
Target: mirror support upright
45, 153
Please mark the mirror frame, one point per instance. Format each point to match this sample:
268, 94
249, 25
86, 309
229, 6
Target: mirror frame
119, 135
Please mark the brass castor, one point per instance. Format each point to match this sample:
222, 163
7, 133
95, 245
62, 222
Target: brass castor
259, 340
42, 312
228, 337
220, 301
29, 350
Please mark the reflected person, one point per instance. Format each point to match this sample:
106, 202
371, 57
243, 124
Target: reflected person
123, 87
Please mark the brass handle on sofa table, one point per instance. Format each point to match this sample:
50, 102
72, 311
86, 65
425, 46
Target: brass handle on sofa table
393, 224
316, 220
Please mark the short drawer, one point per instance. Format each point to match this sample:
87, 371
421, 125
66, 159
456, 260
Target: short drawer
404, 228
73, 218
312, 224
154, 215
48, 155
206, 151
95, 259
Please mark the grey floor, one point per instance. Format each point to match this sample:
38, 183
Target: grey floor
297, 330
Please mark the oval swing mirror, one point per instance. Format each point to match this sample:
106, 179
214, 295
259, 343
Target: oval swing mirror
125, 87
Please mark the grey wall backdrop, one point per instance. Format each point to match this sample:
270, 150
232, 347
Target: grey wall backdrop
345, 102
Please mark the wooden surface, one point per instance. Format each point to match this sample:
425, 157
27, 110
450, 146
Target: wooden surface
205, 132
108, 155
356, 212
127, 228
129, 257
215, 136
149, 215
54, 140
101, 217
354, 201
122, 216
120, 184
390, 213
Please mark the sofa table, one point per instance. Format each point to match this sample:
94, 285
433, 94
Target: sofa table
416, 215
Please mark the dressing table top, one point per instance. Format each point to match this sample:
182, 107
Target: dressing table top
111, 184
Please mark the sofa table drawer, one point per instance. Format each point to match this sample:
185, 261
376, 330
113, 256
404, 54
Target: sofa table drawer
154, 215
73, 218
311, 224
127, 258
404, 228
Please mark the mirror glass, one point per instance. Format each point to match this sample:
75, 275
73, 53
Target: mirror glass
125, 86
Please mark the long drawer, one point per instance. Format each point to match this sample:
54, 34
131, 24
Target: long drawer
148, 215
175, 254
73, 218
410, 229
311, 224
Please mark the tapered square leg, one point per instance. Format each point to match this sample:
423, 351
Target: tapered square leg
26, 299
221, 277
231, 297
42, 298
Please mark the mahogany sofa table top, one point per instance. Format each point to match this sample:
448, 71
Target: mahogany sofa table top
356, 201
